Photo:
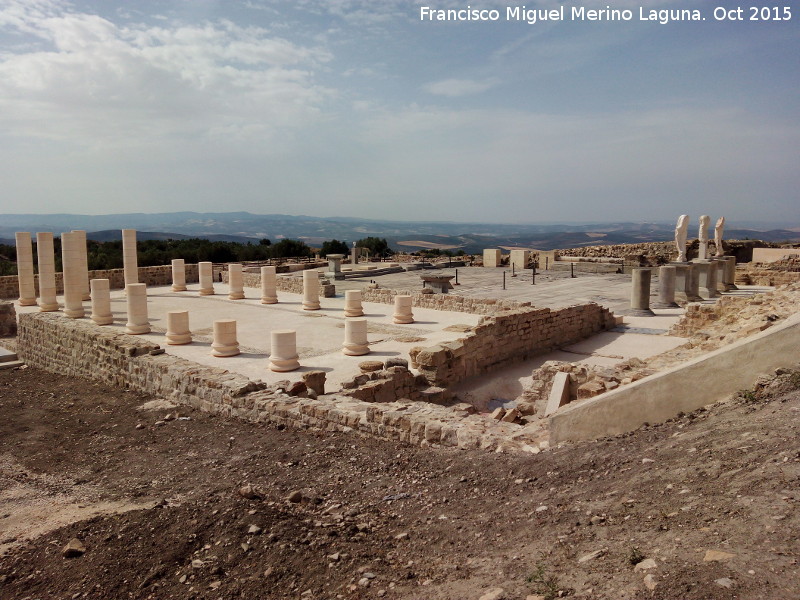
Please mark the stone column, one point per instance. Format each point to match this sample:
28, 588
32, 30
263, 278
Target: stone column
178, 328
720, 264
80, 235
25, 276
225, 343
354, 255
335, 265
694, 283
205, 272
683, 281
666, 287
178, 275
235, 282
47, 271
101, 302
269, 293
707, 278
130, 263
640, 293
355, 337
283, 350
402, 310
352, 304
310, 290
136, 295
730, 272
71, 273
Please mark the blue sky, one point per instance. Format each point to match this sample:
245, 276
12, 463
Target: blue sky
360, 108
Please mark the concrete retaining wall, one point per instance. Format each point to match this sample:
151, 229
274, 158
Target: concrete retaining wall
684, 388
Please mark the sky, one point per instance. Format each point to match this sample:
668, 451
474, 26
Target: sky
362, 108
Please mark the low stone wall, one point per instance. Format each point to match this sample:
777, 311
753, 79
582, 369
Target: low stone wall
152, 276
80, 348
509, 337
449, 302
8, 319
287, 283
658, 253
775, 273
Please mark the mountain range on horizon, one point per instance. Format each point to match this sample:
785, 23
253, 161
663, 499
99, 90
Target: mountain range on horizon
401, 235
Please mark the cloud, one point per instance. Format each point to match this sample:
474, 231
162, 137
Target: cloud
459, 87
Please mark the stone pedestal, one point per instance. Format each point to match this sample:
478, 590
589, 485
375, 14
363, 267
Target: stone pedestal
310, 290
491, 257
205, 271
47, 271
683, 281
283, 350
178, 275
352, 304
235, 282
402, 310
520, 258
269, 293
25, 276
335, 266
730, 272
355, 337
130, 264
225, 342
83, 255
101, 302
136, 296
666, 287
640, 293
706, 278
71, 267
178, 328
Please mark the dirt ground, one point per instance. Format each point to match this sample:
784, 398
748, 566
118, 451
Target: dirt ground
706, 505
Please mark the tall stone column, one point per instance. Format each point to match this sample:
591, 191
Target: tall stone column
355, 337
269, 293
694, 283
130, 263
666, 287
47, 271
640, 293
83, 254
235, 282
402, 310
283, 350
205, 271
707, 278
178, 275
310, 290
73, 285
730, 272
354, 255
101, 302
136, 296
352, 304
720, 264
683, 281
178, 328
225, 342
25, 276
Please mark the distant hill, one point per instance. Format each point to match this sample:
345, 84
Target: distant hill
401, 235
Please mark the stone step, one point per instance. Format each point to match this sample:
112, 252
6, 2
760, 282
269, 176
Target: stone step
7, 355
11, 364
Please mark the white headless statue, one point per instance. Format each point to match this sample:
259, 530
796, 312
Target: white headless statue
702, 236
718, 229
680, 237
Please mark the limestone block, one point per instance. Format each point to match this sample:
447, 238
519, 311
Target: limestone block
136, 296
47, 272
235, 282
352, 304
178, 275
520, 259
283, 350
101, 302
225, 343
206, 274
178, 332
310, 290
73, 286
402, 310
559, 393
315, 380
590, 389
268, 285
491, 257
130, 261
25, 277
355, 337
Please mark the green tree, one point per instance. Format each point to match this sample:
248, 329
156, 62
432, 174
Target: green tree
287, 248
334, 247
376, 246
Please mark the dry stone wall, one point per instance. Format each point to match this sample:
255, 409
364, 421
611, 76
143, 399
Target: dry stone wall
291, 284
658, 253
509, 337
152, 276
775, 273
449, 302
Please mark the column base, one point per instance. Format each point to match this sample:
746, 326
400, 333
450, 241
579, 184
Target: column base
27, 301
225, 351
353, 313
236, 296
206, 291
355, 349
310, 305
48, 306
75, 313
403, 319
131, 329
269, 300
178, 288
102, 320
281, 365
178, 339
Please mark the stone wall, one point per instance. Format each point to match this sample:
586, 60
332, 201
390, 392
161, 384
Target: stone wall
80, 348
775, 273
8, 319
658, 253
152, 276
450, 302
287, 283
509, 337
